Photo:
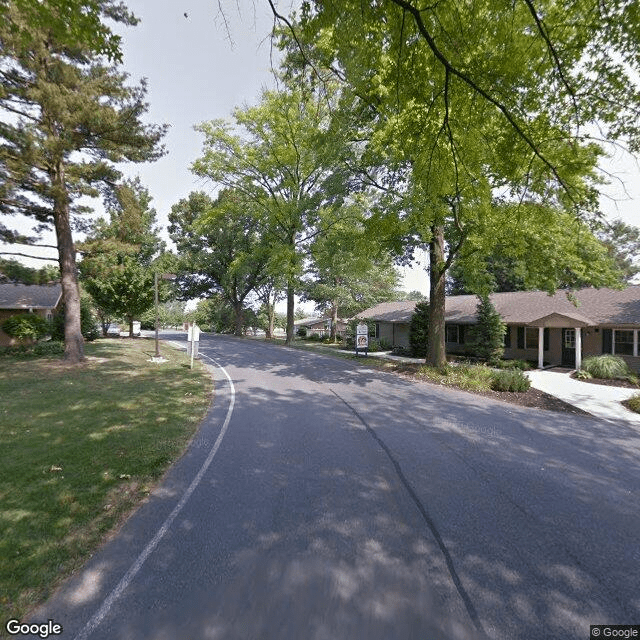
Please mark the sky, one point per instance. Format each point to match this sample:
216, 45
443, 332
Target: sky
201, 65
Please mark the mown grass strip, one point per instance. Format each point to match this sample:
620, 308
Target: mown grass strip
79, 448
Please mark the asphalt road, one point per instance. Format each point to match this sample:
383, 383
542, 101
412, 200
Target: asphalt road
325, 500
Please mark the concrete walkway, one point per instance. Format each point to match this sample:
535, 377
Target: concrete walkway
599, 400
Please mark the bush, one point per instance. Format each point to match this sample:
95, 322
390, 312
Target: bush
470, 377
606, 367
633, 403
402, 351
523, 365
510, 380
36, 350
88, 324
25, 326
583, 375
301, 332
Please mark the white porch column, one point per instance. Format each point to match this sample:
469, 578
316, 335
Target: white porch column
578, 348
540, 347
635, 343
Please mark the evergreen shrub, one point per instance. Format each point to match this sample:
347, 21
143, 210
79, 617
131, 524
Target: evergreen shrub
510, 380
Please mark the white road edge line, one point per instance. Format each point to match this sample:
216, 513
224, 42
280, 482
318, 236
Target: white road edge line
150, 548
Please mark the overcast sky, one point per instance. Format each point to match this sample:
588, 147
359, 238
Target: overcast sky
199, 68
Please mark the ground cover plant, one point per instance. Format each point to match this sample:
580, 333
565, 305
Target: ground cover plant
606, 367
79, 448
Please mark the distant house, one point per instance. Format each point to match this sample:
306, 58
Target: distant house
320, 326
41, 299
542, 328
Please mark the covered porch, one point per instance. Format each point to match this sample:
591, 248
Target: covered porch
571, 326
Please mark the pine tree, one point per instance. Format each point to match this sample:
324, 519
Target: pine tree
419, 330
67, 118
487, 336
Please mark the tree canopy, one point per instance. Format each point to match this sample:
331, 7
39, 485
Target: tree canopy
282, 156
118, 264
461, 107
222, 248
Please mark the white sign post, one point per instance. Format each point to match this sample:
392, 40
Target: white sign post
362, 338
193, 338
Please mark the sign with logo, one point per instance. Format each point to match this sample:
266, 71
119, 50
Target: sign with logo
362, 338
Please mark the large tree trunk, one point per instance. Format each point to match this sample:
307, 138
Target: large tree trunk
436, 354
239, 318
271, 317
73, 340
334, 321
290, 312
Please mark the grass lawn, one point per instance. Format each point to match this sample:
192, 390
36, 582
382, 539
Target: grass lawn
79, 448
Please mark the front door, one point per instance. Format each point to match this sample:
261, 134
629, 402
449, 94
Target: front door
569, 348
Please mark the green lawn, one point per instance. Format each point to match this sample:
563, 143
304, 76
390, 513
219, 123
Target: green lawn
79, 448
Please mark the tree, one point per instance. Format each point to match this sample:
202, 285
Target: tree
118, 264
216, 314
283, 158
73, 22
13, 271
419, 330
458, 103
623, 245
487, 335
68, 117
269, 294
221, 247
519, 251
347, 271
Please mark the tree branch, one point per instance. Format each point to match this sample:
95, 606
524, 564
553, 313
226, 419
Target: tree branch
415, 12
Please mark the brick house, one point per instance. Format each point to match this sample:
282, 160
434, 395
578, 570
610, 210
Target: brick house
42, 300
549, 330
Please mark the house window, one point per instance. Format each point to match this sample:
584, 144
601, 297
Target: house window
531, 338
623, 342
507, 338
452, 333
527, 338
376, 333
569, 339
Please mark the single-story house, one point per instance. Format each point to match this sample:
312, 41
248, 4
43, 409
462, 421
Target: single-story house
42, 299
550, 330
320, 326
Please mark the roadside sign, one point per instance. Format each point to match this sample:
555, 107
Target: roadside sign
362, 338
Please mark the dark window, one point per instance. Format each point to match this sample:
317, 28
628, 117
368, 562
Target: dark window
531, 335
507, 338
607, 341
624, 342
546, 339
451, 333
461, 333
520, 337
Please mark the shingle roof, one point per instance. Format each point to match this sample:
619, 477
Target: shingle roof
595, 306
33, 296
390, 311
